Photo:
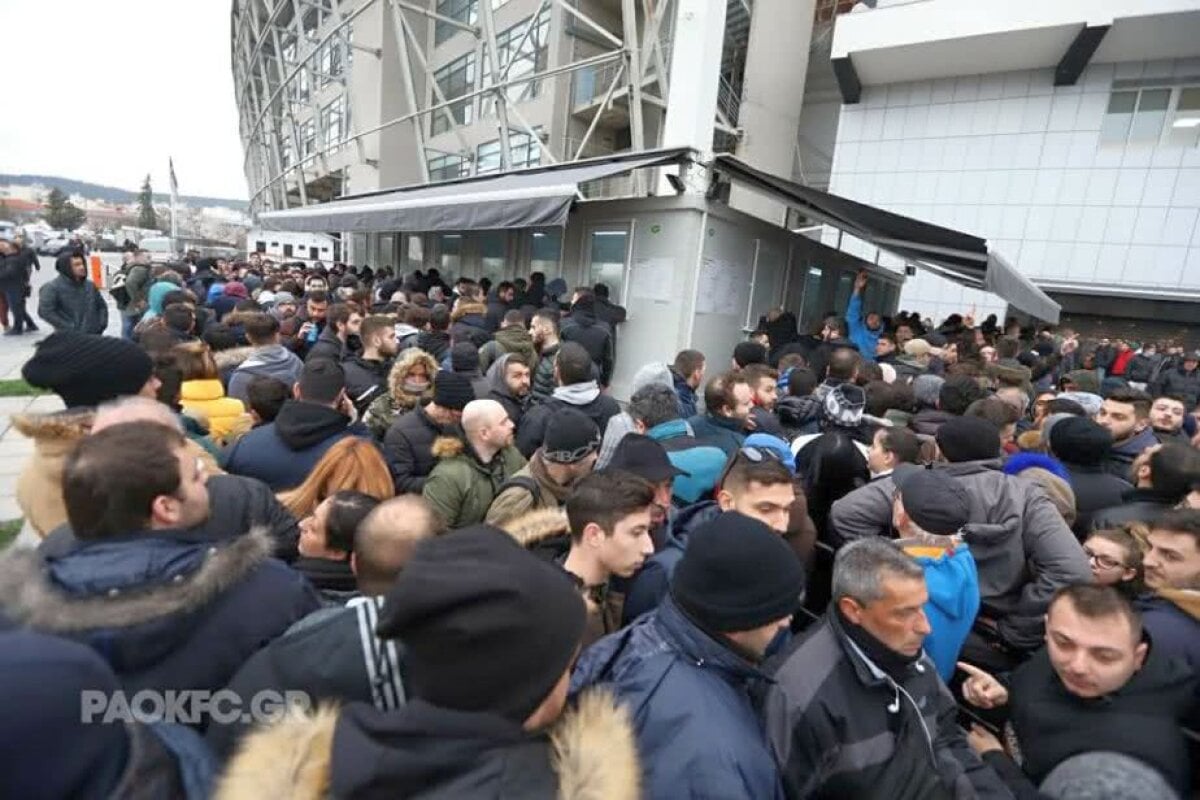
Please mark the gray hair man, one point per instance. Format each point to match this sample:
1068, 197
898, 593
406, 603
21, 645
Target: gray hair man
862, 705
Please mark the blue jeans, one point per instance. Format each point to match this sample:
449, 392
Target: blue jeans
127, 326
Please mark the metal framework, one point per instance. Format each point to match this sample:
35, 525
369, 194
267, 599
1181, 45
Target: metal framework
279, 48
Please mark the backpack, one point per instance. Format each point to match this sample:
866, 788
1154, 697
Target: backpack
118, 291
526, 483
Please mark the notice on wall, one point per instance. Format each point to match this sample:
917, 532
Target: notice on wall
722, 289
653, 279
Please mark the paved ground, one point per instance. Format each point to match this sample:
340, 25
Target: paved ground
15, 449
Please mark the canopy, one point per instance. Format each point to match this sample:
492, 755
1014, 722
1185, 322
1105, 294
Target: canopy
537, 197
960, 257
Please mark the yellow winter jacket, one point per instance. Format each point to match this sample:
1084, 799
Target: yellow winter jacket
206, 399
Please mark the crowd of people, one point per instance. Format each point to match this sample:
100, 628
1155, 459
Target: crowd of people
884, 559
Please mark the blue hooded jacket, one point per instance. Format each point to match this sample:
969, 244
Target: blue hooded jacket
690, 700
155, 297
861, 336
953, 583
703, 461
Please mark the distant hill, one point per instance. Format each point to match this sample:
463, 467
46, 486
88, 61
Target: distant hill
111, 193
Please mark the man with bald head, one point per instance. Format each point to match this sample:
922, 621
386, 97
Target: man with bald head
236, 504
471, 470
334, 654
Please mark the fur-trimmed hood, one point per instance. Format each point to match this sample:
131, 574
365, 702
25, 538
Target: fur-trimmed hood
404, 364
57, 431
538, 526
448, 447
593, 753
131, 592
466, 309
232, 358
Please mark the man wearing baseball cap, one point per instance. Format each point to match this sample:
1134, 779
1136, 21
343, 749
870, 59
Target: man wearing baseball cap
929, 511
688, 669
647, 458
568, 453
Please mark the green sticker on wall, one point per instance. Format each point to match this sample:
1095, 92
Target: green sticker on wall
656, 228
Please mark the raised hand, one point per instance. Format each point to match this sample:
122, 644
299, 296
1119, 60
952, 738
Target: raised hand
981, 689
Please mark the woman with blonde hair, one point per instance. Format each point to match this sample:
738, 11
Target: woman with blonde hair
202, 393
353, 464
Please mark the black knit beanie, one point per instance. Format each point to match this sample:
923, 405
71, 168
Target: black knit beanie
737, 575
86, 370
487, 625
1079, 440
968, 439
464, 357
452, 391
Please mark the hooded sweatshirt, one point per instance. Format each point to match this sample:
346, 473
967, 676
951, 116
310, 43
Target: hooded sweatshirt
953, 584
498, 390
68, 303
158, 292
585, 397
271, 361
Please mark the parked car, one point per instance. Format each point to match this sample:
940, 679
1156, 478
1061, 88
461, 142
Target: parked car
53, 246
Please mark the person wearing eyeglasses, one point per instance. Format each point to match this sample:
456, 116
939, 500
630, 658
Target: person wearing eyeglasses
1115, 556
754, 483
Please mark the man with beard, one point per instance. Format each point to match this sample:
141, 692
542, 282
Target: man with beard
544, 329
367, 373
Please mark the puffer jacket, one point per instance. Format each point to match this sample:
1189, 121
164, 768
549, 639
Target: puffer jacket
800, 416
543, 383
461, 488
468, 323
692, 701
1024, 551
1141, 368
399, 399
206, 399
1180, 383
842, 727
595, 336
366, 380
68, 303
408, 448
150, 602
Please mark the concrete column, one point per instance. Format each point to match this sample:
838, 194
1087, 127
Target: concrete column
772, 96
699, 35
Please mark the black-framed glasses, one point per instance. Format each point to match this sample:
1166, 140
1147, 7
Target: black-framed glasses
1102, 561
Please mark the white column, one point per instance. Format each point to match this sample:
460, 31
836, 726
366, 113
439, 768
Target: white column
697, 40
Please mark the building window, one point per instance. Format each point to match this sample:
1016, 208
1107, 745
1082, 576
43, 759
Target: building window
466, 11
287, 250
333, 123
287, 153
524, 153
308, 138
528, 54
446, 168
455, 79
1152, 115
260, 247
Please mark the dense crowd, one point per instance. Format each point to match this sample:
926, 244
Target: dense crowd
884, 559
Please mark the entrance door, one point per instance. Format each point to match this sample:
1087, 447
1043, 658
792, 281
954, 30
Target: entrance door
606, 249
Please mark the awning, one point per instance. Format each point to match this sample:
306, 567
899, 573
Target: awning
537, 197
960, 257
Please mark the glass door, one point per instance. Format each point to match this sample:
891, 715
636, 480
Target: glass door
607, 252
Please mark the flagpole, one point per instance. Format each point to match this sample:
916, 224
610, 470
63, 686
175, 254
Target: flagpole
174, 215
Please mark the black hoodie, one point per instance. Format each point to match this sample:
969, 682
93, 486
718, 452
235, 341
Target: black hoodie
68, 303
421, 750
594, 335
282, 453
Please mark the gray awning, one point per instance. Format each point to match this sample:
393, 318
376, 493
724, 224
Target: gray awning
531, 198
957, 256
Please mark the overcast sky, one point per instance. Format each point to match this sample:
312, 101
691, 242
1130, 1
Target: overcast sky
107, 91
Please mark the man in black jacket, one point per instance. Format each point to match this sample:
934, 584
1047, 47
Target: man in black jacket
584, 327
1126, 414
576, 389
1098, 685
332, 345
12, 284
408, 444
1183, 380
1082, 445
862, 711
333, 654
367, 373
27, 261
1165, 473
500, 303
71, 302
